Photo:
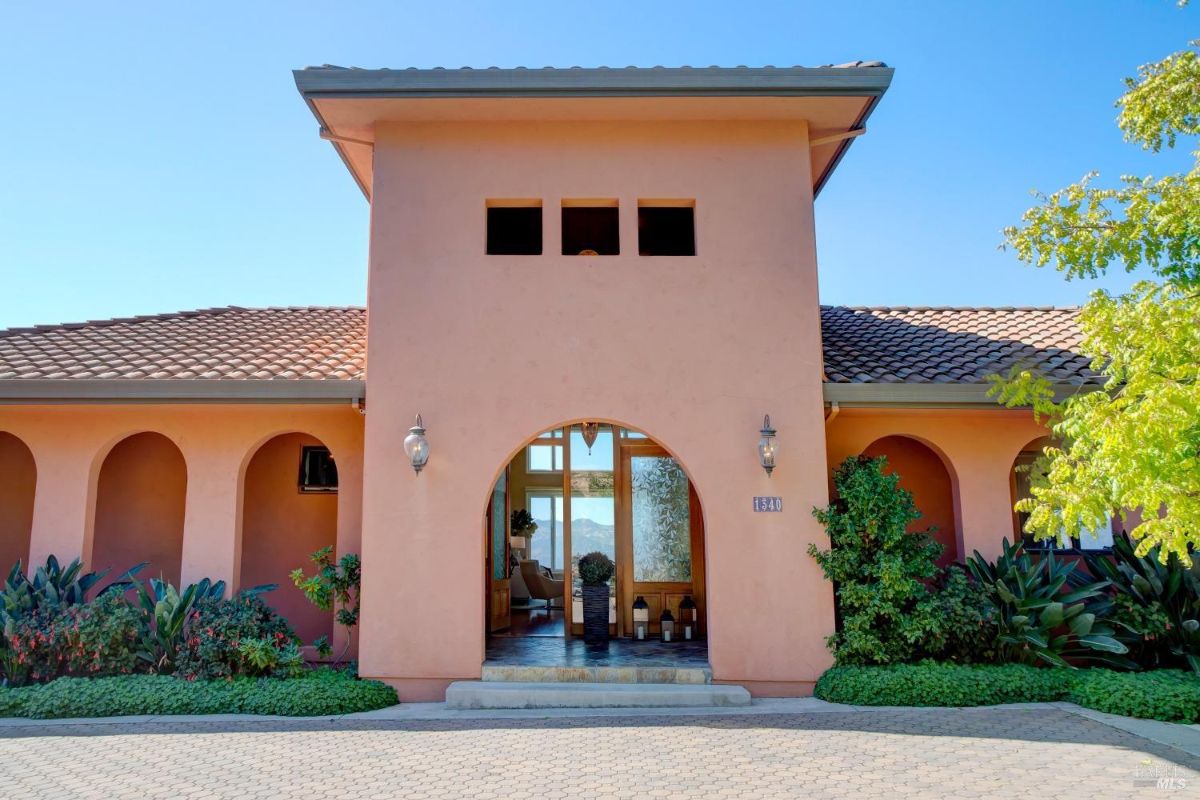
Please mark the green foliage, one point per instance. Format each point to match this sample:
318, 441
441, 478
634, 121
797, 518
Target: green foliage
961, 624
1133, 444
1156, 604
596, 569
167, 613
879, 570
1168, 695
933, 684
96, 638
1048, 611
318, 693
218, 633
333, 583
522, 523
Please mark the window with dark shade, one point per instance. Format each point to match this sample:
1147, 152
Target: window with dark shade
590, 230
666, 231
318, 473
514, 230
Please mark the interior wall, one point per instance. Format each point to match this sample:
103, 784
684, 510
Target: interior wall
140, 498
18, 482
282, 527
924, 475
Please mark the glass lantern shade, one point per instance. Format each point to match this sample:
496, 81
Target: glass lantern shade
688, 619
416, 446
641, 618
667, 623
768, 446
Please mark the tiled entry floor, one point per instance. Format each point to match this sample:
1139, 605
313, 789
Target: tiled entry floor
556, 652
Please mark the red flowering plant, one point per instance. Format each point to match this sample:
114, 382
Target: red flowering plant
230, 637
96, 639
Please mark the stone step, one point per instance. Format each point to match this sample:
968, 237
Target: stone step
533, 673
501, 694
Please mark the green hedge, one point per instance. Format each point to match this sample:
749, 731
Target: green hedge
1168, 695
319, 693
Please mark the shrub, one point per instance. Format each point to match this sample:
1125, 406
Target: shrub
1156, 604
167, 612
962, 625
93, 639
318, 693
879, 569
333, 583
229, 637
1165, 694
596, 569
1048, 611
932, 684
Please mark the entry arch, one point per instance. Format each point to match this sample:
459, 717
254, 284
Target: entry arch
18, 486
929, 476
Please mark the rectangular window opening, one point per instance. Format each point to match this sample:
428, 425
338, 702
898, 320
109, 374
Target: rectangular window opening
318, 472
667, 228
592, 229
514, 228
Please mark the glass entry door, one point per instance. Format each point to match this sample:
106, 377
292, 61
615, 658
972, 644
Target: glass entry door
660, 535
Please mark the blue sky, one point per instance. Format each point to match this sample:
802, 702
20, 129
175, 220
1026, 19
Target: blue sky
156, 156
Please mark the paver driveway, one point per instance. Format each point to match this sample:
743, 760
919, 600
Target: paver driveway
1001, 753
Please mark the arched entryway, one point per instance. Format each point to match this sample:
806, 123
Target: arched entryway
18, 482
289, 511
594, 487
925, 475
140, 495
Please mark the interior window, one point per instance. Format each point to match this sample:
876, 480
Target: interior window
514, 229
543, 457
591, 230
667, 230
546, 508
318, 473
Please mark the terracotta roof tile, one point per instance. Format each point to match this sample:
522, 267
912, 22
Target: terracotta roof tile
231, 343
950, 345
862, 345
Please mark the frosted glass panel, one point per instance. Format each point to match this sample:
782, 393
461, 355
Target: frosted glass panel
662, 542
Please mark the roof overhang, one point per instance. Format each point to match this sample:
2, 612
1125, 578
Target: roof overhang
925, 395
33, 391
349, 103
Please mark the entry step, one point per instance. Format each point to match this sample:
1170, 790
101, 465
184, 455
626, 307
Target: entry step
501, 694
534, 673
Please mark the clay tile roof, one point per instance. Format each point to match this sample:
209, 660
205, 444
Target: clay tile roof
215, 343
862, 345
950, 345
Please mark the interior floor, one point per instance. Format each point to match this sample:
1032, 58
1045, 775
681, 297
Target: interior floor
558, 652
535, 619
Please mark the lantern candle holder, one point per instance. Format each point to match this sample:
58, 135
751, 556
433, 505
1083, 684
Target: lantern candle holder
688, 619
641, 619
666, 623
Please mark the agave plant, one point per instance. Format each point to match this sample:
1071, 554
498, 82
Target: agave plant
167, 612
1156, 604
1048, 611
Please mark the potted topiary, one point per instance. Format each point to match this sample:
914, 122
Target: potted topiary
595, 571
522, 527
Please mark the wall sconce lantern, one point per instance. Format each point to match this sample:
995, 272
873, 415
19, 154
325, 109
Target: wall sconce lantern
688, 618
641, 618
667, 623
416, 446
767, 446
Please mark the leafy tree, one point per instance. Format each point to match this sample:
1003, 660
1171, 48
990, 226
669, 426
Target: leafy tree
880, 570
334, 583
1136, 442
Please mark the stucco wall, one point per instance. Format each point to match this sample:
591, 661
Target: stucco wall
281, 527
140, 495
924, 475
18, 479
691, 350
978, 447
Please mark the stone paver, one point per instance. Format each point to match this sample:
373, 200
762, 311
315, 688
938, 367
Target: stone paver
944, 753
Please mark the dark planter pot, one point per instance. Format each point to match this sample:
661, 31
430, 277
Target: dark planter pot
595, 614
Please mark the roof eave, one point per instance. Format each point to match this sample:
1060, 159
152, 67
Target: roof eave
926, 395
171, 390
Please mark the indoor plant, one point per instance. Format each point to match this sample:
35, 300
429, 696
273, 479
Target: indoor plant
595, 571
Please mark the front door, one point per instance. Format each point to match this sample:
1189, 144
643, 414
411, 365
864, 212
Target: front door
660, 536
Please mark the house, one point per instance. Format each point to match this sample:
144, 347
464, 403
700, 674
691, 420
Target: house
591, 285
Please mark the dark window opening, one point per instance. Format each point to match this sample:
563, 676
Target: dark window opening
514, 231
667, 231
318, 473
590, 231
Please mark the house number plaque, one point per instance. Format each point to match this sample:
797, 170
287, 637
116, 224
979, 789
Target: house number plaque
768, 504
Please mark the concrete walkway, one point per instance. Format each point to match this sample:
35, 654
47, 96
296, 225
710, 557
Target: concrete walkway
775, 748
